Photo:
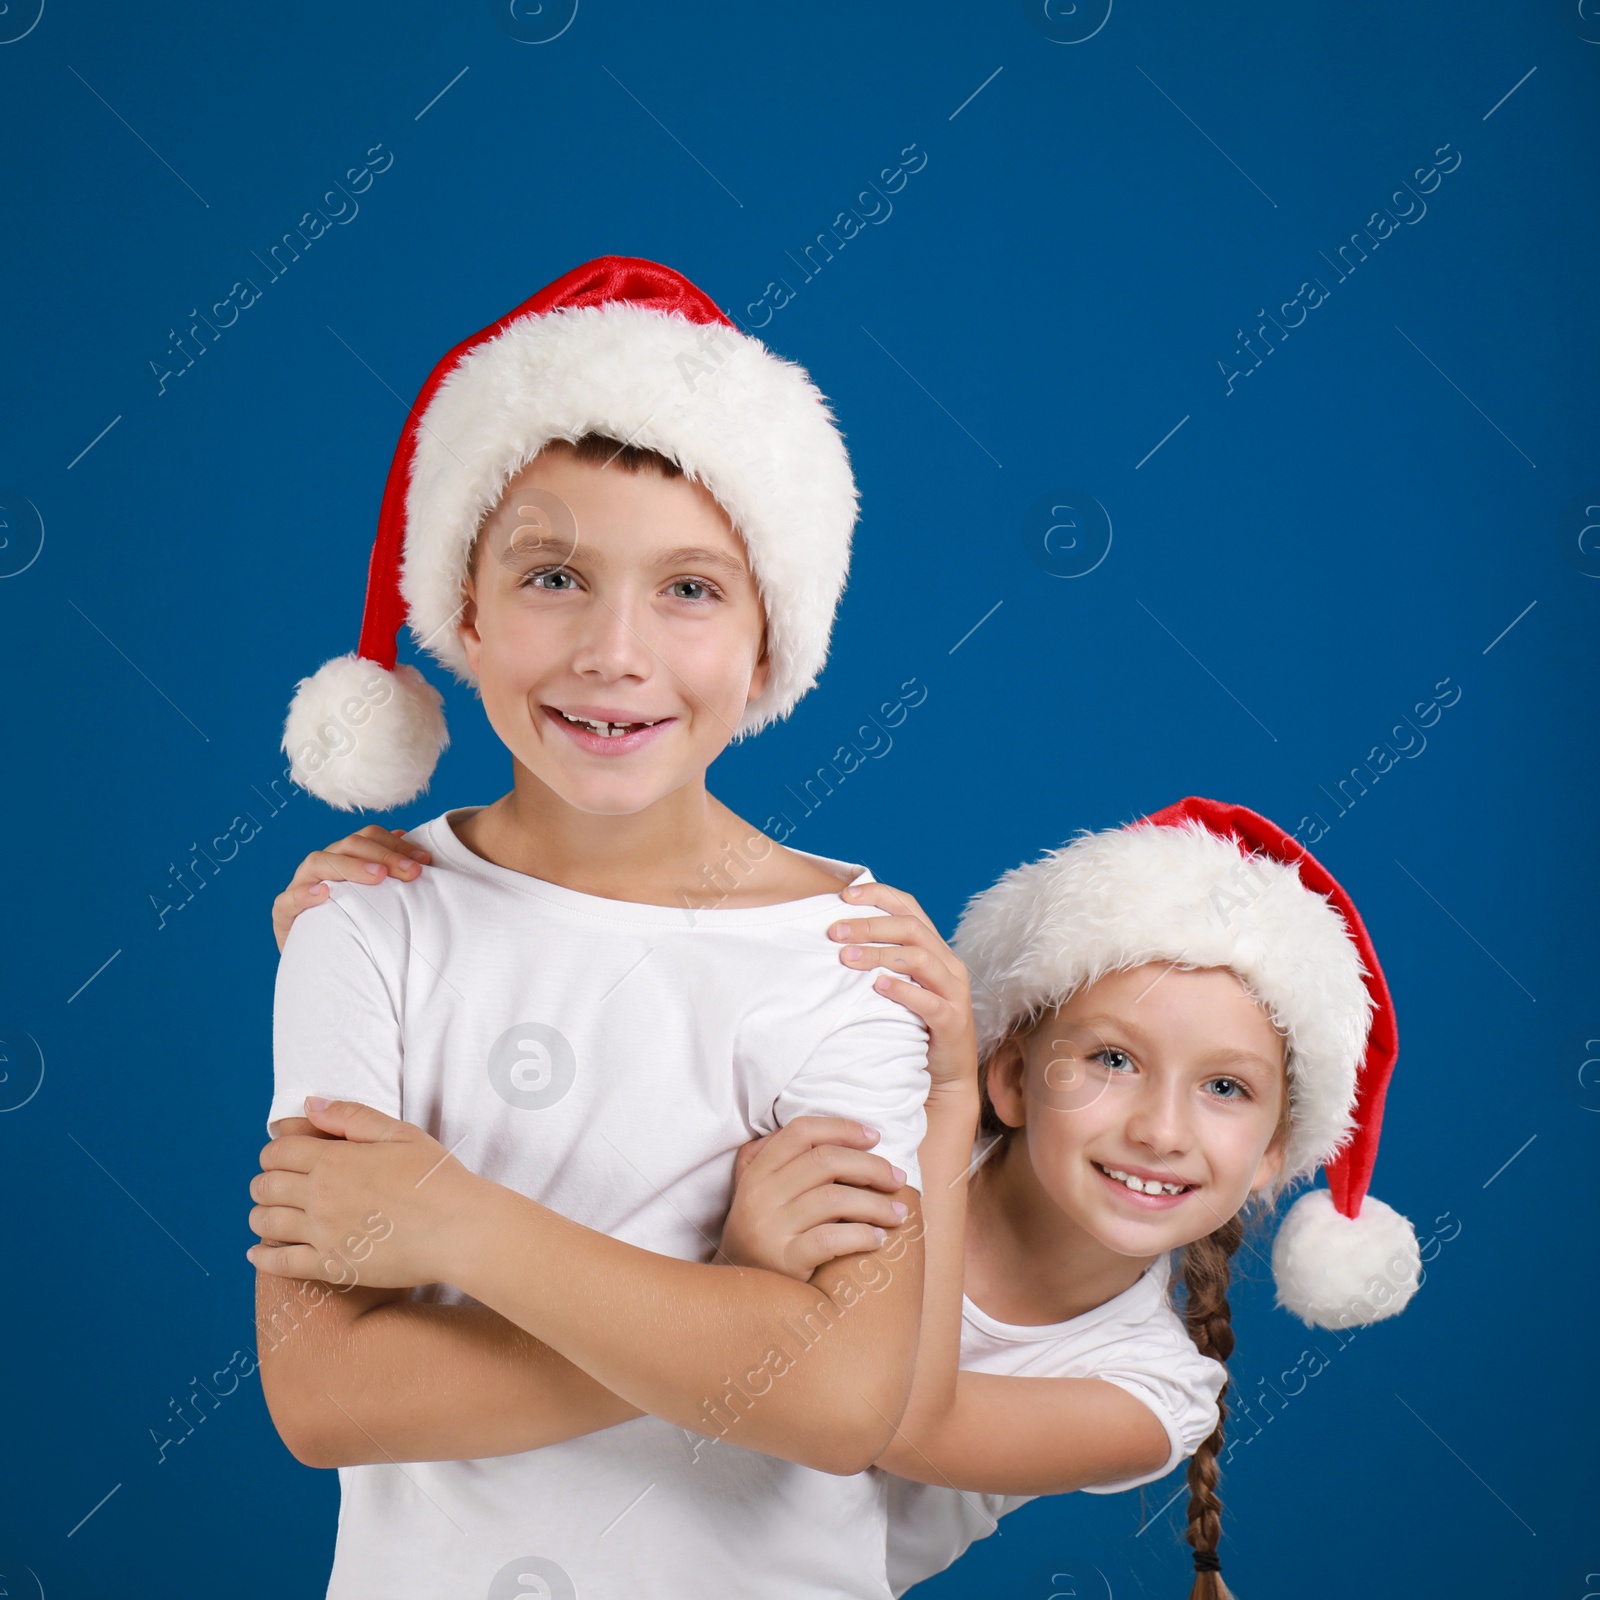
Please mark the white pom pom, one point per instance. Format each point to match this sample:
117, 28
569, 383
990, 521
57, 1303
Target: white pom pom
1334, 1271
362, 738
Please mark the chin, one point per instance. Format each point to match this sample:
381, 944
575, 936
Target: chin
1137, 1240
611, 799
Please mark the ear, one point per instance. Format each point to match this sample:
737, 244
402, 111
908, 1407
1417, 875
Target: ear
1270, 1166
761, 673
760, 677
1006, 1069
467, 626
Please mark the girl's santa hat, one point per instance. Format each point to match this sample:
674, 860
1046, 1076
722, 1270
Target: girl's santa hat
619, 346
1203, 884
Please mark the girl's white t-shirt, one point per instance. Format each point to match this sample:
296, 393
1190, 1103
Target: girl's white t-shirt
607, 1059
1135, 1340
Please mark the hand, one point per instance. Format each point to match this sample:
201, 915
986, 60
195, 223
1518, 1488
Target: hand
364, 857
809, 1193
363, 1197
940, 995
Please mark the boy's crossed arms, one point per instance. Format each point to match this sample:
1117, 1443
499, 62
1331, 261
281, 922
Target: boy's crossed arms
574, 1331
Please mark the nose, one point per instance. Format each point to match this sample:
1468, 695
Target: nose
1158, 1118
610, 641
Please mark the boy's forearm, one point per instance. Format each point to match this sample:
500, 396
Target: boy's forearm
945, 1158
816, 1373
363, 1376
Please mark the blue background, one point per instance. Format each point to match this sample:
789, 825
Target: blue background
1402, 480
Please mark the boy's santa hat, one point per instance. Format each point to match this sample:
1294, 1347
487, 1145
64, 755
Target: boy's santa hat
1203, 884
618, 346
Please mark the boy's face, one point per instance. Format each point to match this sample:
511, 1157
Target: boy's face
603, 595
1157, 1073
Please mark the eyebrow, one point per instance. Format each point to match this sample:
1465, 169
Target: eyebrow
1241, 1058
1102, 1020
693, 555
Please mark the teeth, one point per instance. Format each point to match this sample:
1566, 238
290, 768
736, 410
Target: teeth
606, 730
1143, 1185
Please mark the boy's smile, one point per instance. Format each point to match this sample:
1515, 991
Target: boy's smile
605, 730
615, 628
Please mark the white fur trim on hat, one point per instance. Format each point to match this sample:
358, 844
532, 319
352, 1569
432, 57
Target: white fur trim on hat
1334, 1271
744, 422
362, 738
1118, 899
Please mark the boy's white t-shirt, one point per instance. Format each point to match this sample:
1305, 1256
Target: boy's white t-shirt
1135, 1340
606, 1059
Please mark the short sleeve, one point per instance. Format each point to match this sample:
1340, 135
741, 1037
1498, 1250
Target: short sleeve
335, 1017
1181, 1387
874, 1069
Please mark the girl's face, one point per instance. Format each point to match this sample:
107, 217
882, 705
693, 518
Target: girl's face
603, 595
1173, 1078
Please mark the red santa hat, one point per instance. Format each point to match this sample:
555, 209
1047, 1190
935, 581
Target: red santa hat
619, 346
1203, 884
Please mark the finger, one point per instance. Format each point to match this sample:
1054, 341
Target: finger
291, 1152
288, 1261
899, 929
280, 1188
933, 1008
830, 1163
394, 837
300, 1125
377, 844
745, 1154
826, 1164
800, 1134
410, 847
354, 860
360, 1124
887, 897
943, 980
285, 1223
944, 971
909, 960
890, 930
773, 1165
835, 1239
843, 1202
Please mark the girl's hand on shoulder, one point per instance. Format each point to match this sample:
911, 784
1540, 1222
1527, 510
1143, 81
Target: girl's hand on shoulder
807, 1194
939, 991
364, 857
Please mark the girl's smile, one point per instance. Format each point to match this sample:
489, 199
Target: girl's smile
1146, 1109
1149, 1190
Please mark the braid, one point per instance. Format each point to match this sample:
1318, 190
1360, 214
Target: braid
1210, 1322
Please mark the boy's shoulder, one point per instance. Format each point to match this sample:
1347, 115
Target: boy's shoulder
383, 912
787, 875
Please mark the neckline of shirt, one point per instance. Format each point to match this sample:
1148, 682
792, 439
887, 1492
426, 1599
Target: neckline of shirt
445, 842
1154, 1276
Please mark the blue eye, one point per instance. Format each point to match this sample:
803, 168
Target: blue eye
1233, 1083
696, 583
1112, 1051
532, 579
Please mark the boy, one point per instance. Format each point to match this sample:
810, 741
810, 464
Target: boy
567, 1006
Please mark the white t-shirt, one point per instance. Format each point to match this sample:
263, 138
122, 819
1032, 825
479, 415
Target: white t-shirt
1135, 1340
606, 1059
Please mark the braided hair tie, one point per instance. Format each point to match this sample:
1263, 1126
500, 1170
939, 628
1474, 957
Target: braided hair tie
1207, 1561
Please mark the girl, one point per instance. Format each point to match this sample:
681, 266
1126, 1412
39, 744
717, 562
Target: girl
1174, 1021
